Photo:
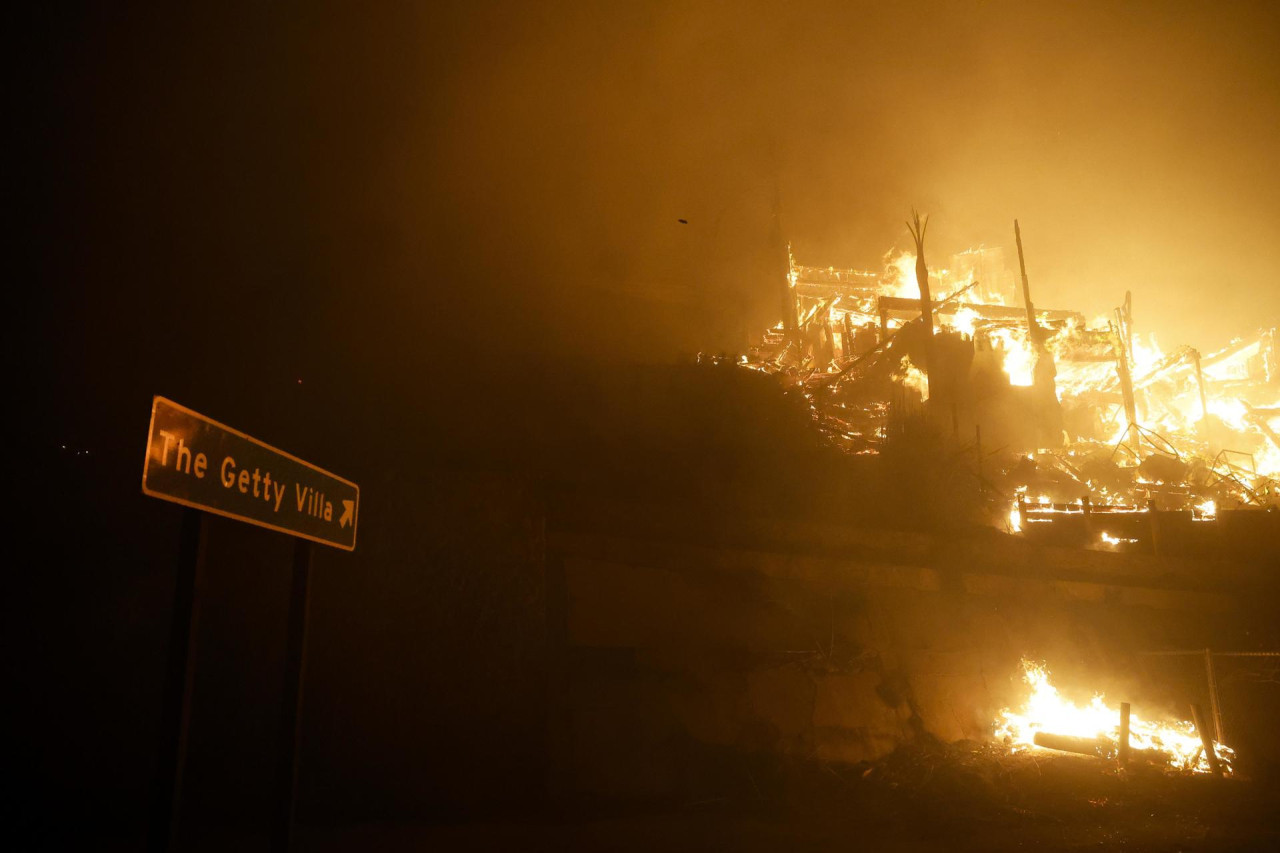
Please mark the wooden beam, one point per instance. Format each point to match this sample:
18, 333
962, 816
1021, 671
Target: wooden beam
986, 312
1197, 717
1069, 743
1213, 695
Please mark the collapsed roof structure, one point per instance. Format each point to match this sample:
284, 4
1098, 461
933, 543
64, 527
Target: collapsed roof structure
1062, 413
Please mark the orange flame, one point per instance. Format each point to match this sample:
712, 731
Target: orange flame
1046, 710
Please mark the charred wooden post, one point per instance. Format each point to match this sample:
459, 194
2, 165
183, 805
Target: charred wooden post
1126, 320
1197, 717
1044, 372
1213, 695
1126, 378
1034, 333
1204, 403
790, 312
847, 350
1122, 751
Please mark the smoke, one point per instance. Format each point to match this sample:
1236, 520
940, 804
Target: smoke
1134, 143
435, 182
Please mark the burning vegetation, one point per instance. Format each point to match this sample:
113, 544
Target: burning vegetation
1061, 415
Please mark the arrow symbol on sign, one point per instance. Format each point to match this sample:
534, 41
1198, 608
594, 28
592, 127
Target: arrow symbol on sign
348, 507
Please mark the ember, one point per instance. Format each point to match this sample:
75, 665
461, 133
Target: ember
1047, 720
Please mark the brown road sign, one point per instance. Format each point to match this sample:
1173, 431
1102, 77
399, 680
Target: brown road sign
198, 462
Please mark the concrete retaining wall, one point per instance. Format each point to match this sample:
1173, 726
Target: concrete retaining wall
682, 664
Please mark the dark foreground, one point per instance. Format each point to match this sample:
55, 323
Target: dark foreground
967, 797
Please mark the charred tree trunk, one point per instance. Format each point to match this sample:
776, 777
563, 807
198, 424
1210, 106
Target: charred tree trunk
917, 228
1044, 373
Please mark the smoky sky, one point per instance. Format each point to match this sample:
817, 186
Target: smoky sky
1136, 144
402, 183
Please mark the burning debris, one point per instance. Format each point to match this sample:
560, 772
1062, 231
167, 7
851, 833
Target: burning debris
1046, 720
1061, 414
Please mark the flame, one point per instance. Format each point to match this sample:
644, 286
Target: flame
1237, 387
900, 270
1233, 412
1041, 503
1146, 355
1109, 541
914, 378
1206, 511
1015, 518
1019, 360
965, 321
1045, 710
1169, 395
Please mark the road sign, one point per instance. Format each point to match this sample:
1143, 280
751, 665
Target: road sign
198, 462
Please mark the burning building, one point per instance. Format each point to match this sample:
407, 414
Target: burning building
1061, 414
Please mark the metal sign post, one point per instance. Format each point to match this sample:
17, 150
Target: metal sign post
175, 715
209, 467
291, 708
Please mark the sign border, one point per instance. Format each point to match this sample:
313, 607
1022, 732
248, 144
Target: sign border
146, 467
